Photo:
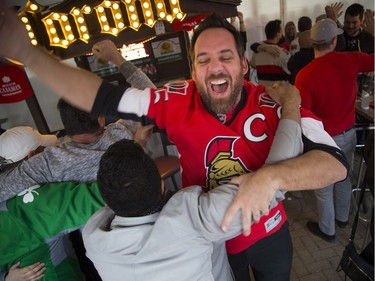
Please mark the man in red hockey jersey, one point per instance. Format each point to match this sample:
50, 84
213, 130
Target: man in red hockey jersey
223, 128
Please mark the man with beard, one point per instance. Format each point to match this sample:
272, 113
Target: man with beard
223, 128
357, 38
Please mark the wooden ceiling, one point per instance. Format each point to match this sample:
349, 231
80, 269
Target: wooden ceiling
192, 8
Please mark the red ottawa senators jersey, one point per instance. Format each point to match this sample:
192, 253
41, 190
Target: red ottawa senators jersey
213, 150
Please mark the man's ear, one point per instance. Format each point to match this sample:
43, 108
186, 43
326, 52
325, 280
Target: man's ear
101, 121
245, 65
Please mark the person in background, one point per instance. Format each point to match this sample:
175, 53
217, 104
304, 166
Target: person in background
34, 228
21, 142
271, 69
242, 31
228, 109
301, 58
290, 33
73, 160
329, 89
356, 33
304, 23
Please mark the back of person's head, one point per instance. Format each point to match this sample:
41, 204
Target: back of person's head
323, 33
272, 28
128, 179
304, 23
304, 39
16, 143
355, 10
215, 21
76, 121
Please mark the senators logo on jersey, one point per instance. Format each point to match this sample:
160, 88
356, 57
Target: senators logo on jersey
220, 164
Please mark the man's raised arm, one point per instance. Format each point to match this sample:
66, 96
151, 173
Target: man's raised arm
77, 86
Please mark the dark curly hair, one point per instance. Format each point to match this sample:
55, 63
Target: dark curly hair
128, 179
76, 121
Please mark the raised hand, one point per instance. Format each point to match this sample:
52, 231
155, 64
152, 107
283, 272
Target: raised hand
106, 50
368, 22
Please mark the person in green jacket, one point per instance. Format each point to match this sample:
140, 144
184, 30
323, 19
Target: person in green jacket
34, 225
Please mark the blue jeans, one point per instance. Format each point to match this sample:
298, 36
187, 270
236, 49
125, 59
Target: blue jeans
334, 200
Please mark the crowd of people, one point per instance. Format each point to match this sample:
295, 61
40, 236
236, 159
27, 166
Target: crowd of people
256, 142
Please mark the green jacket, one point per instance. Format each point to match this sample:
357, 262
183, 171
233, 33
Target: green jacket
33, 225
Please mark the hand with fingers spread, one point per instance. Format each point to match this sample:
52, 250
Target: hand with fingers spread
368, 22
334, 11
253, 199
29, 273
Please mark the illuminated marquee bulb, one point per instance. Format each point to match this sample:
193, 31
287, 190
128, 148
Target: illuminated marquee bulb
33, 7
148, 14
110, 9
175, 8
132, 16
62, 20
80, 22
109, 15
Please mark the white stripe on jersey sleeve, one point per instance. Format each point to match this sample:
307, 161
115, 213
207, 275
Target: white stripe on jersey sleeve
135, 101
314, 131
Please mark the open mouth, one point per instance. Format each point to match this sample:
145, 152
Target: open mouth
219, 86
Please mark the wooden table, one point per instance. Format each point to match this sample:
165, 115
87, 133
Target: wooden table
368, 114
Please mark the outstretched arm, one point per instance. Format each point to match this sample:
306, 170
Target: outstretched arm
312, 170
287, 144
77, 86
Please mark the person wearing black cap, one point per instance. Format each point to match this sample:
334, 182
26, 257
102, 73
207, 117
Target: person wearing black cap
328, 87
